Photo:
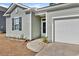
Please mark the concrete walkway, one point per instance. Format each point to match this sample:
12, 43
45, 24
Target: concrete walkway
59, 49
36, 45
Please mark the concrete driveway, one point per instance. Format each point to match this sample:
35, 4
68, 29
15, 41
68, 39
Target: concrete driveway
59, 49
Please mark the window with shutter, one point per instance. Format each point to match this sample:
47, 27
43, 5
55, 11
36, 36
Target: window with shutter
20, 23
12, 23
17, 23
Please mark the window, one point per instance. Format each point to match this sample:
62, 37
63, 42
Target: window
43, 19
44, 27
16, 10
17, 23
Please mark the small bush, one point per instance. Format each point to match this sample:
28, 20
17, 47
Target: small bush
45, 39
22, 36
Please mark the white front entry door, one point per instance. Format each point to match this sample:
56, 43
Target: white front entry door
43, 27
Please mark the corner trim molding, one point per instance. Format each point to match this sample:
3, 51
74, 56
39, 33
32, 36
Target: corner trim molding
46, 24
30, 25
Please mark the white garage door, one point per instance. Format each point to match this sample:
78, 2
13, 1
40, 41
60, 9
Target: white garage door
67, 30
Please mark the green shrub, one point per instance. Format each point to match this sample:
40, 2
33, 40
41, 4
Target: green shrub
45, 39
22, 36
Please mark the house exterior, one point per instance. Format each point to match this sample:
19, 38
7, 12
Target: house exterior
59, 22
2, 19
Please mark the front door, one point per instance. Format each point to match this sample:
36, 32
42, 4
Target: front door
43, 27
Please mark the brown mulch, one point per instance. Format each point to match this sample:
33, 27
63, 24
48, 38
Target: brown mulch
13, 47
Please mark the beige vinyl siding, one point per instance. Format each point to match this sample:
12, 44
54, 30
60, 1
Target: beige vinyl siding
36, 26
51, 14
25, 24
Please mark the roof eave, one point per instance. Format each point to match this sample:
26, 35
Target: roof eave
6, 15
13, 5
57, 7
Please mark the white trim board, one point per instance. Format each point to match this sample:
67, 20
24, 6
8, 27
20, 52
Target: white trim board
41, 27
53, 31
68, 16
46, 24
30, 25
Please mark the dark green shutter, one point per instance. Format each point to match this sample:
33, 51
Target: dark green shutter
20, 23
12, 23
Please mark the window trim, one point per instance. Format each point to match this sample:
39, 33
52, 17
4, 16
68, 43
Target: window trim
15, 18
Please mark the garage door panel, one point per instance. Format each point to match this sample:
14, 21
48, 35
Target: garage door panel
67, 30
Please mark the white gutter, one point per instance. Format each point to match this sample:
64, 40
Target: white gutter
68, 16
58, 7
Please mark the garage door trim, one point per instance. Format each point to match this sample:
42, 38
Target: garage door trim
53, 23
